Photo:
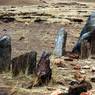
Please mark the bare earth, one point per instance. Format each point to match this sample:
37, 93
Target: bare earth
38, 21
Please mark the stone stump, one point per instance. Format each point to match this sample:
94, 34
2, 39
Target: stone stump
60, 43
5, 53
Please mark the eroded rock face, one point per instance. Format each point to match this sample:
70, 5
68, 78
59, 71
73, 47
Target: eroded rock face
43, 70
24, 63
5, 53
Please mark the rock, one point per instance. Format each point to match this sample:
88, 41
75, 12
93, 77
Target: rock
82, 72
5, 53
60, 43
43, 70
92, 79
77, 67
21, 38
25, 63
68, 59
59, 62
93, 69
85, 93
73, 56
79, 77
77, 89
61, 82
85, 33
86, 67
51, 88
57, 92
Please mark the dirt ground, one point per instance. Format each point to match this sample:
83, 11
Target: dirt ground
37, 22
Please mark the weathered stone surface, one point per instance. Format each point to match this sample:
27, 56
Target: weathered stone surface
60, 43
25, 63
5, 53
43, 69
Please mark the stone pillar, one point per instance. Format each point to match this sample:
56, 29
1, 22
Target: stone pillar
5, 53
60, 43
85, 33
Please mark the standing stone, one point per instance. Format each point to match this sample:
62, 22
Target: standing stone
90, 25
5, 53
85, 33
43, 70
60, 43
25, 63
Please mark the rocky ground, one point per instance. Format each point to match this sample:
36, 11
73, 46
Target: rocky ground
34, 27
